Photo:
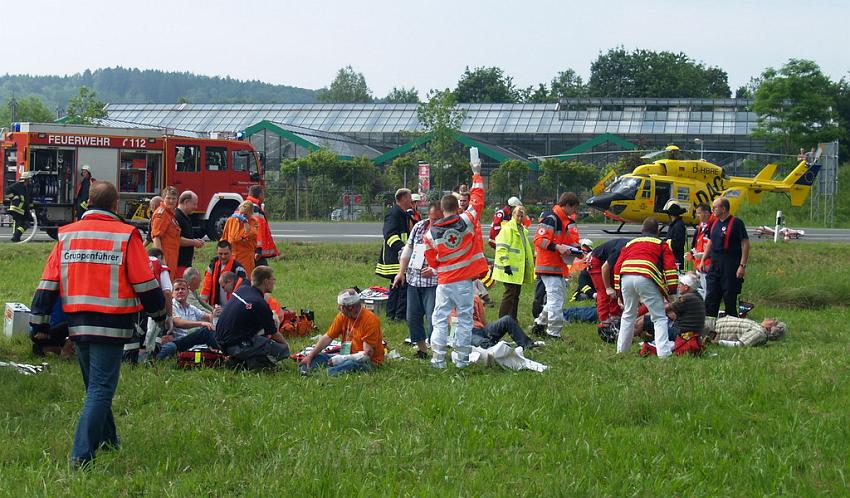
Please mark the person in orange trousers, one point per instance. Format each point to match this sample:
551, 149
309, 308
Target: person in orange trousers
241, 231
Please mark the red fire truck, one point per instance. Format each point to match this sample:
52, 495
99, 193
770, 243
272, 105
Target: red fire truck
140, 162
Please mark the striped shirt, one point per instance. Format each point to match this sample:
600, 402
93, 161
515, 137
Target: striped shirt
414, 275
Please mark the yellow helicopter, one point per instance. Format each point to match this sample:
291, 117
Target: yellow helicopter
646, 190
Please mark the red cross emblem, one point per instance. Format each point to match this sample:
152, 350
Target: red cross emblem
452, 238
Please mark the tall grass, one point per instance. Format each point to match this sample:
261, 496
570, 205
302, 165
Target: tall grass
762, 421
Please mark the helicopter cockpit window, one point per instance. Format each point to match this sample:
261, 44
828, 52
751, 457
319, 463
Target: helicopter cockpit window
625, 187
646, 193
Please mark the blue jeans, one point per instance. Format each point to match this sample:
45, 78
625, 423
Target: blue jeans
196, 337
100, 364
344, 367
420, 304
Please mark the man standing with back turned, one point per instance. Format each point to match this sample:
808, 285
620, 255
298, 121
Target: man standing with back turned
99, 269
455, 249
645, 273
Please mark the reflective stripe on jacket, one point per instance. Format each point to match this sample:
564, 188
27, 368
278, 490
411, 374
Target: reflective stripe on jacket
396, 231
453, 245
265, 241
18, 197
556, 228
513, 250
651, 258
210, 287
99, 268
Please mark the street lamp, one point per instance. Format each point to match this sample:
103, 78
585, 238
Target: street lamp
701, 147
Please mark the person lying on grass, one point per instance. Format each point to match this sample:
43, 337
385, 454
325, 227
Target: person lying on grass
358, 329
737, 332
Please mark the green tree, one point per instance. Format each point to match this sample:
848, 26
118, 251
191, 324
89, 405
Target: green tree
508, 179
404, 171
645, 73
84, 108
796, 106
402, 95
28, 109
567, 84
441, 117
485, 85
559, 176
348, 87
539, 95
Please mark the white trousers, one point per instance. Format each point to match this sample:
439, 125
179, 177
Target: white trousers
459, 296
553, 313
636, 290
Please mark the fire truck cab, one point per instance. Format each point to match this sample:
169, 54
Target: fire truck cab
139, 161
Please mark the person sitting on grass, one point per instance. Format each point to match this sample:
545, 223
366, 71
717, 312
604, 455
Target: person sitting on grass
228, 282
734, 332
246, 330
224, 261
193, 278
358, 329
192, 326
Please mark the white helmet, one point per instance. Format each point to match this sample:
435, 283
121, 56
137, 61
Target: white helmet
514, 202
586, 242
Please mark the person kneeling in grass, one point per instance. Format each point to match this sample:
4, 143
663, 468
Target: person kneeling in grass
358, 329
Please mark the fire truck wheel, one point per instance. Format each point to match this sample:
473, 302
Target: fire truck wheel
52, 232
215, 225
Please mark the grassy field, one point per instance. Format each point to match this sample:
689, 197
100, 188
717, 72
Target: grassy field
754, 422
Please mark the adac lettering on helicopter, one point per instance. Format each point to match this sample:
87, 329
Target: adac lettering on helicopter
713, 190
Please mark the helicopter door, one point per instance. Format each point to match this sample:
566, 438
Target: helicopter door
662, 195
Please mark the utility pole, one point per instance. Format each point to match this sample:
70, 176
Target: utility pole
13, 104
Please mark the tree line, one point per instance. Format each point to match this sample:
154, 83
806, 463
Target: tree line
127, 85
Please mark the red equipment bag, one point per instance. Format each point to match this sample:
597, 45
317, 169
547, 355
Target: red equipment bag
647, 349
688, 342
200, 356
297, 325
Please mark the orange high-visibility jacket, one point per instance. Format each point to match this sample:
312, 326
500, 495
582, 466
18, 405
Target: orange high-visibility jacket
100, 270
651, 258
453, 244
265, 241
210, 287
242, 235
556, 228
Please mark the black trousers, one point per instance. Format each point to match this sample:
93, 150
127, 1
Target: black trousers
397, 303
539, 297
722, 283
20, 225
510, 301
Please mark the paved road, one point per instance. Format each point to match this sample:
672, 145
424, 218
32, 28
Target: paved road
371, 232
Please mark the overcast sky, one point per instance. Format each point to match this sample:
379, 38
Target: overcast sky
425, 44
